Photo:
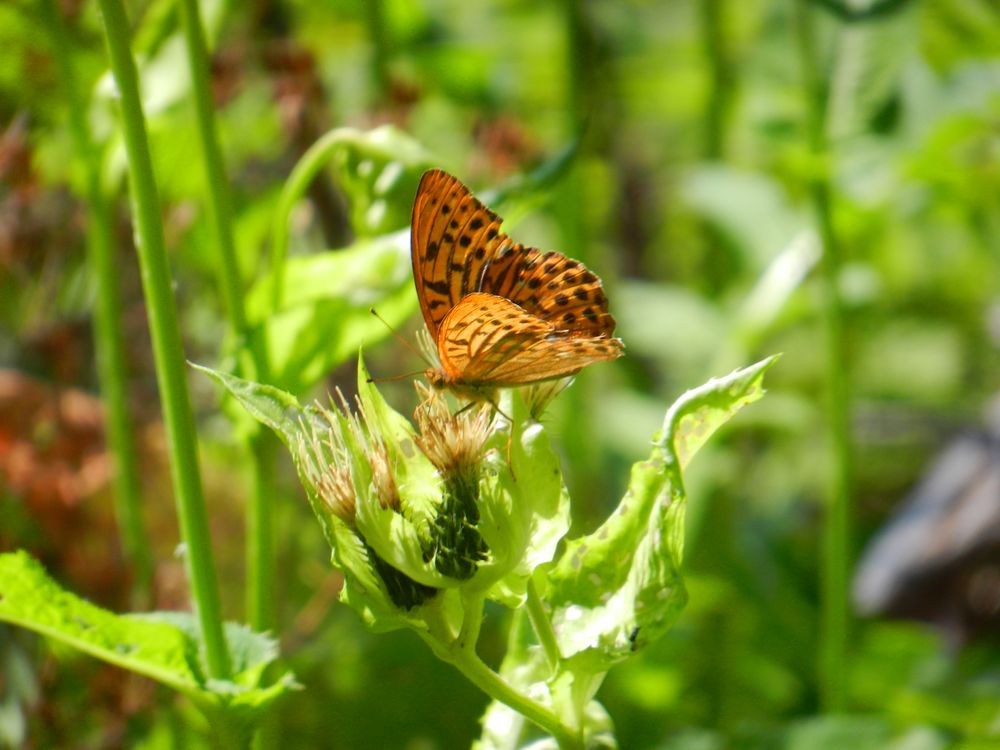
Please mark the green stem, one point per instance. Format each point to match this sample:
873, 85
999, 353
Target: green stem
469, 664
219, 203
499, 689
296, 185
379, 45
167, 350
720, 69
581, 58
543, 626
108, 334
462, 656
260, 531
260, 554
836, 532
472, 621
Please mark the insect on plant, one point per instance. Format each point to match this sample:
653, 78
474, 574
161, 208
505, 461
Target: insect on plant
501, 314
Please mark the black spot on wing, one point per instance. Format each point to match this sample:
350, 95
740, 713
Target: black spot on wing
438, 285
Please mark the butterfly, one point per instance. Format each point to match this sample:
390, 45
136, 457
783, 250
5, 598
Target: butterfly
501, 314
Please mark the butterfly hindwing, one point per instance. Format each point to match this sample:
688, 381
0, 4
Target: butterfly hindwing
553, 287
490, 340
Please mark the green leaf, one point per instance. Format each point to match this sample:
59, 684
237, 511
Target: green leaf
619, 588
858, 733
29, 598
160, 645
526, 513
643, 307
524, 192
248, 649
269, 405
379, 170
698, 413
325, 315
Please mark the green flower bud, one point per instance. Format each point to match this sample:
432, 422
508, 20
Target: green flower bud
328, 452
455, 444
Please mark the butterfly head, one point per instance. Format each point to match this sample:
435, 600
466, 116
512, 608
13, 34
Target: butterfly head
438, 378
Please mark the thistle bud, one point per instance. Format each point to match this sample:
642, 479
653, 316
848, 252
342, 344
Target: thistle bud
455, 444
324, 464
331, 441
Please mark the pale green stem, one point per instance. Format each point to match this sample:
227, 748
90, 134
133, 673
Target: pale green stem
543, 626
472, 621
167, 350
463, 657
260, 553
713, 28
296, 185
470, 665
836, 531
379, 45
219, 203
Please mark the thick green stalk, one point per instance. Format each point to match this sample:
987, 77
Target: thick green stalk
836, 532
107, 315
260, 530
464, 658
582, 59
473, 604
167, 350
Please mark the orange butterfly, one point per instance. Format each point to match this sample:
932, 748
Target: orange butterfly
501, 314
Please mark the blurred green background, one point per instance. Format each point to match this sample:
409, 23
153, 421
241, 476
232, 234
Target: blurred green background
678, 162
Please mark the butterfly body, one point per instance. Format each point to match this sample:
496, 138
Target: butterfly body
500, 314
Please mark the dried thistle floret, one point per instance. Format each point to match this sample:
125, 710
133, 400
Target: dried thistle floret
455, 443
326, 465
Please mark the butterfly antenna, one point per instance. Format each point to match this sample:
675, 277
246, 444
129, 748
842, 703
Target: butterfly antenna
404, 342
394, 377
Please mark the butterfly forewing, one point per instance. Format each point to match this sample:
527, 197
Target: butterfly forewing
553, 287
452, 238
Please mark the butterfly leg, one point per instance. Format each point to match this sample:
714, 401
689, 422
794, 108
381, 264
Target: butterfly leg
466, 407
510, 436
